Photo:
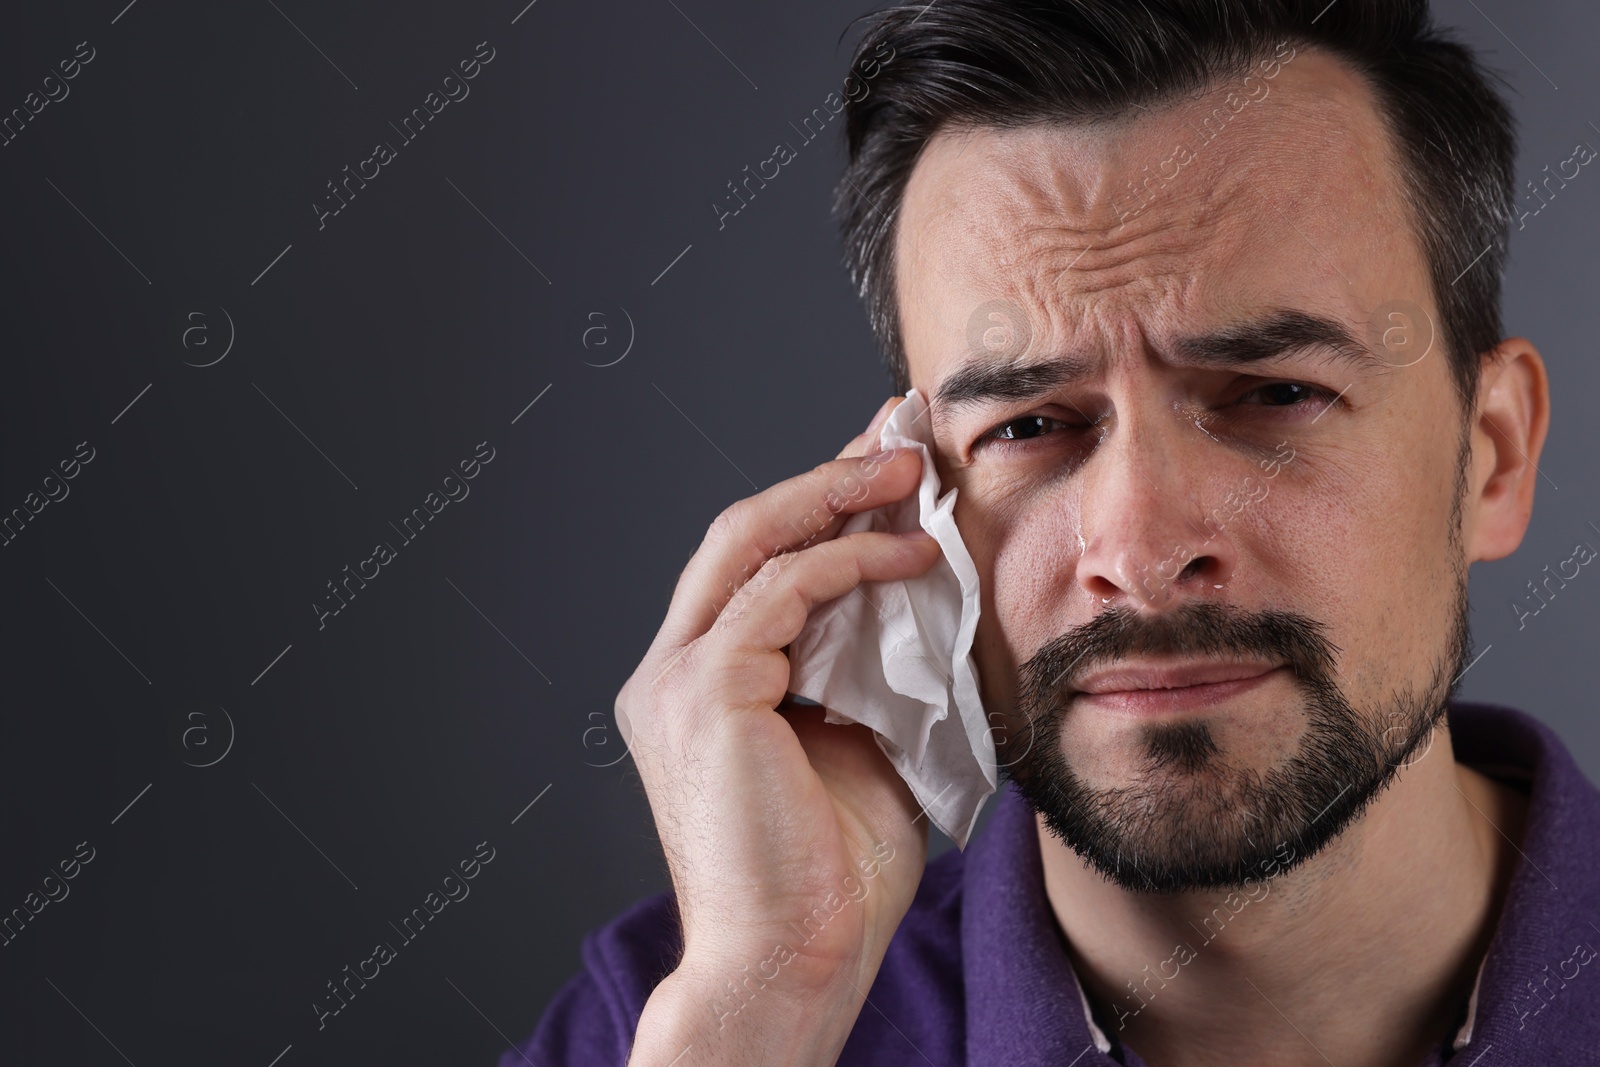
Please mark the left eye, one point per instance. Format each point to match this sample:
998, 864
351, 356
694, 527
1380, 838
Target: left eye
1286, 394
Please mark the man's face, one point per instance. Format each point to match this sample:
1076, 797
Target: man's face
1224, 591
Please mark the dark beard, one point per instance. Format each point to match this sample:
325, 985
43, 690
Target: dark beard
1188, 820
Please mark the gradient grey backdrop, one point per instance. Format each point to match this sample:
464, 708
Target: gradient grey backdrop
477, 672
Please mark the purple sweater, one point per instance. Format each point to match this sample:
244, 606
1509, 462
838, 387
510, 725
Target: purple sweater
977, 973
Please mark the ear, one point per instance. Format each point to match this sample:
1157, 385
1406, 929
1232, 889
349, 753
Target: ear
1508, 434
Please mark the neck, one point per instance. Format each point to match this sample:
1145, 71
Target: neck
1365, 953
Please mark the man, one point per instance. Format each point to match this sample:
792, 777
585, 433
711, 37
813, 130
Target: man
1204, 295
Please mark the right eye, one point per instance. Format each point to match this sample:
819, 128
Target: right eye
1022, 429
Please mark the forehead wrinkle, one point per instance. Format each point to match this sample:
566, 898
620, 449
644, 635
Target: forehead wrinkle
1106, 252
1025, 246
1072, 183
1084, 313
1026, 212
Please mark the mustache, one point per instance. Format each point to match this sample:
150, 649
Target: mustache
1204, 628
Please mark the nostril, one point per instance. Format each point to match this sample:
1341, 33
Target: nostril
1195, 566
1101, 588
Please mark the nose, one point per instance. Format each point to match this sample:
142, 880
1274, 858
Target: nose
1152, 534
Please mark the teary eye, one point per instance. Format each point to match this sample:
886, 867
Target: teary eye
1025, 428
1286, 394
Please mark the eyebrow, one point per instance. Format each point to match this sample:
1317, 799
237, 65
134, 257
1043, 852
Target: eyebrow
978, 382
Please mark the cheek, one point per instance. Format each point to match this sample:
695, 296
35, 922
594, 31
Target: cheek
1357, 539
1024, 557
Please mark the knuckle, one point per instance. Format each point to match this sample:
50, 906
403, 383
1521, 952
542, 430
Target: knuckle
815, 522
796, 608
828, 466
749, 677
634, 698
775, 596
846, 552
668, 681
726, 526
741, 600
772, 567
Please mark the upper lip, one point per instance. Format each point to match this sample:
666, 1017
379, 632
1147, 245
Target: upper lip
1126, 677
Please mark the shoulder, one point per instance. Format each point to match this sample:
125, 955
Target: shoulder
1521, 751
1539, 990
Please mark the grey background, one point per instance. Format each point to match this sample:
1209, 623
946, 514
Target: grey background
173, 587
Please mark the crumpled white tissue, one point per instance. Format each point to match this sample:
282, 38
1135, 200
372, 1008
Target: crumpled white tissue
897, 656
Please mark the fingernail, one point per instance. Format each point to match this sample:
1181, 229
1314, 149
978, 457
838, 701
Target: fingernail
883, 455
882, 411
919, 534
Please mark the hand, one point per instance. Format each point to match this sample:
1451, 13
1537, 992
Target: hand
768, 816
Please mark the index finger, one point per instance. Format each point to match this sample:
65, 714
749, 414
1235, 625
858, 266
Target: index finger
866, 441
804, 510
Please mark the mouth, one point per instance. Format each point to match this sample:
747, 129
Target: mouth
1167, 690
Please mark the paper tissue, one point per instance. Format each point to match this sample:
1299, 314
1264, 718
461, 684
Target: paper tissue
897, 656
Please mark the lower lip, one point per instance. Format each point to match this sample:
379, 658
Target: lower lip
1184, 698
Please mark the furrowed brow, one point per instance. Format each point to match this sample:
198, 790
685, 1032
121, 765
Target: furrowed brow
979, 383
1278, 334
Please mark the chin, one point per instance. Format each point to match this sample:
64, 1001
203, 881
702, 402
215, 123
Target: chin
1168, 805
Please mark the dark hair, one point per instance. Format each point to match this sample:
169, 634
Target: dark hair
1011, 63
